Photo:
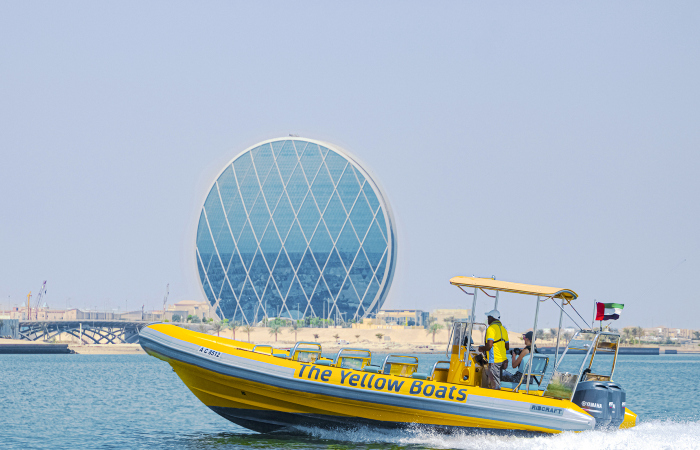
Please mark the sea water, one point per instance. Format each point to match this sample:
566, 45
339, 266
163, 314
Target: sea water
137, 401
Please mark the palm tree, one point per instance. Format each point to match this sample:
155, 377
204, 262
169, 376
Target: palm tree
316, 336
234, 326
357, 337
218, 326
434, 328
379, 336
275, 329
294, 328
247, 329
449, 320
336, 336
639, 332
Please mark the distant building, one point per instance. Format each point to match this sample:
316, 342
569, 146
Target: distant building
295, 228
185, 308
441, 314
406, 317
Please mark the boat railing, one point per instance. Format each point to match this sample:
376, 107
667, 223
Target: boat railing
441, 372
302, 352
354, 358
405, 366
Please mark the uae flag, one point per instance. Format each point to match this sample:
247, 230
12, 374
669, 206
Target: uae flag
608, 311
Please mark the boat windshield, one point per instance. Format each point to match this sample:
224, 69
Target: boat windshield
460, 332
567, 372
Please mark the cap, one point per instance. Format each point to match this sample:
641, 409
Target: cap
494, 313
528, 335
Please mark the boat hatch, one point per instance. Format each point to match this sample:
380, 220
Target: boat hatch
399, 365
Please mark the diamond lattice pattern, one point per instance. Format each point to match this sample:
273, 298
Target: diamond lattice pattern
292, 229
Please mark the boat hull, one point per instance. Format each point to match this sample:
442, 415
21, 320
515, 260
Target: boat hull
264, 393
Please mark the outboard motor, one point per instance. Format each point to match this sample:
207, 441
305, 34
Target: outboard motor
617, 401
594, 397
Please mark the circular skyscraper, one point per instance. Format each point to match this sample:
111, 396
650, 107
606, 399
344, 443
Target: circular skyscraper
295, 228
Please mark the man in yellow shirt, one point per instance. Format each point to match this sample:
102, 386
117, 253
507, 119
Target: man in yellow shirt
496, 348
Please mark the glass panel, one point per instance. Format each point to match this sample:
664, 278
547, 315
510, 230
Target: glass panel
561, 385
259, 217
297, 188
348, 188
270, 245
259, 274
204, 243
249, 302
249, 189
228, 302
322, 188
238, 316
334, 273
347, 301
361, 217
277, 147
287, 161
215, 273
227, 186
374, 245
336, 165
300, 145
296, 298
215, 213
207, 291
382, 267
361, 273
263, 161
272, 302
308, 217
308, 274
371, 197
324, 150
283, 216
347, 245
283, 274
358, 174
311, 161
382, 223
235, 212
334, 216
236, 274
321, 245
371, 293
202, 274
321, 301
247, 245
295, 244
225, 245
242, 165
273, 188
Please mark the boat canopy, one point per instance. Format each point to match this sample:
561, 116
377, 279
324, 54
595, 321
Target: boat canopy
518, 288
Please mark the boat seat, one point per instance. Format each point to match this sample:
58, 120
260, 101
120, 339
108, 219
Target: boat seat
419, 375
372, 369
323, 362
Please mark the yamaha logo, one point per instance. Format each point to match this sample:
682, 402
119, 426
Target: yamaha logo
592, 405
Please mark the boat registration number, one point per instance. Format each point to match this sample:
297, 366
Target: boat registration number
210, 352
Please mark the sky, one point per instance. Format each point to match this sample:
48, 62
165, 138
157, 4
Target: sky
551, 143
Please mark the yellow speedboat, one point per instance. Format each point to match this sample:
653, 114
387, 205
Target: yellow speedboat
265, 389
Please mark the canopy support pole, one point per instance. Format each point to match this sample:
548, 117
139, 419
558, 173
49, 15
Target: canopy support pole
470, 328
495, 304
532, 345
556, 352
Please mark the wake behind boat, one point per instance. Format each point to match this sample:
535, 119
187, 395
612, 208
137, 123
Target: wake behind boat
265, 389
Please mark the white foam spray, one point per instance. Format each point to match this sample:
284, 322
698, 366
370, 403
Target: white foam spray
648, 435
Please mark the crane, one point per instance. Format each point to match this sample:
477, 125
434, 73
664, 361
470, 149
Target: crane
42, 293
165, 299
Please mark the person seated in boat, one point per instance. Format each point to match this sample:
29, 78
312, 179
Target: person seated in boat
496, 348
519, 360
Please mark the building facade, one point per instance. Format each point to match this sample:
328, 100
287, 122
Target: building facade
295, 228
